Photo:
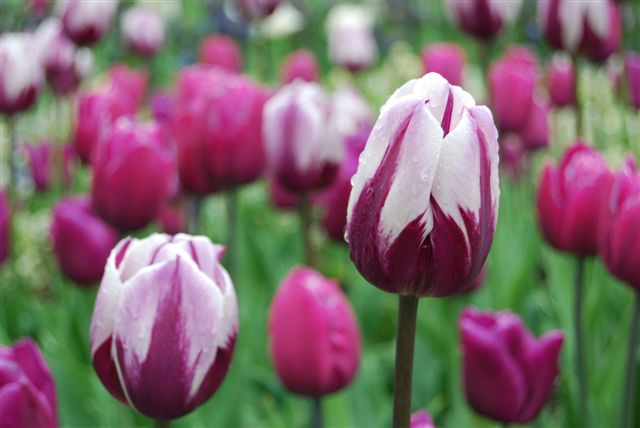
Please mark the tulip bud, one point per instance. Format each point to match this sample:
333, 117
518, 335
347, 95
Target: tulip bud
39, 157
222, 52
508, 373
301, 64
81, 240
561, 80
143, 30
620, 228
27, 390
633, 73
20, 74
512, 154
421, 419
130, 84
352, 44
569, 200
257, 9
535, 133
132, 174
589, 27
314, 338
446, 59
5, 227
85, 22
300, 153
482, 18
512, 81
424, 203
166, 311
173, 218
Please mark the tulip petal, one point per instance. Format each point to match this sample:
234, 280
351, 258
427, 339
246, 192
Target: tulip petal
21, 405
26, 353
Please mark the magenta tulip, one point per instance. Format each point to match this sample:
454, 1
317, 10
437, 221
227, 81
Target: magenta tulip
21, 73
142, 29
424, 204
535, 133
301, 64
508, 373
633, 72
132, 174
512, 154
569, 200
222, 52
173, 218
589, 27
165, 324
561, 81
81, 240
27, 390
129, 83
314, 338
5, 227
281, 197
85, 22
162, 104
40, 159
421, 419
446, 59
257, 9
352, 44
482, 18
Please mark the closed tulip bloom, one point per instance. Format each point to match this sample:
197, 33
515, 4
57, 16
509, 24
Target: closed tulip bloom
257, 9
620, 230
482, 18
301, 64
589, 27
352, 44
20, 74
81, 240
512, 154
446, 59
314, 338
132, 174
85, 22
164, 324
424, 204
173, 218
129, 83
300, 153
222, 52
142, 29
508, 374
421, 419
5, 227
569, 199
512, 81
535, 134
561, 81
40, 157
27, 390
633, 73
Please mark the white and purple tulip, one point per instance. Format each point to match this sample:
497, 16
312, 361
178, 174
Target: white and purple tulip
483, 19
424, 203
350, 37
165, 323
85, 22
21, 74
143, 30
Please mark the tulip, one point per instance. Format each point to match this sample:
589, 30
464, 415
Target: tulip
482, 18
421, 419
161, 105
589, 27
535, 134
447, 59
633, 73
508, 374
129, 83
173, 218
281, 197
20, 74
27, 390
352, 44
300, 154
561, 81
37, 7
257, 9
314, 340
512, 81
81, 240
166, 310
142, 29
85, 22
301, 64
5, 227
221, 51
512, 155
132, 174
40, 157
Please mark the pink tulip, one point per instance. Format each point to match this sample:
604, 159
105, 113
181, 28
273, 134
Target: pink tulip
482, 18
142, 29
512, 154
162, 104
221, 51
447, 59
281, 197
633, 73
257, 9
5, 227
535, 134
561, 81
27, 390
352, 44
81, 240
130, 83
40, 159
132, 174
164, 324
314, 338
21, 72
508, 373
424, 204
421, 419
37, 7
301, 64
173, 218
85, 22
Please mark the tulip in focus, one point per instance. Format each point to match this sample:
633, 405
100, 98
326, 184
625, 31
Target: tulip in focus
424, 204
5, 227
132, 174
165, 324
632, 64
20, 74
314, 338
27, 390
569, 200
352, 44
482, 18
221, 51
143, 30
561, 81
446, 59
81, 240
301, 64
508, 373
85, 22
422, 419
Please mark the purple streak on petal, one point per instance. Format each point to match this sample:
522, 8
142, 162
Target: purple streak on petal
106, 370
446, 117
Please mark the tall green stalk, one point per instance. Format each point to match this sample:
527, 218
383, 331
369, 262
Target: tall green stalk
579, 338
405, 341
628, 399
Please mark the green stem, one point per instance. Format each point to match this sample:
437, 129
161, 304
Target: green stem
405, 340
578, 106
484, 51
626, 413
306, 222
579, 338
195, 208
161, 423
231, 202
316, 412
